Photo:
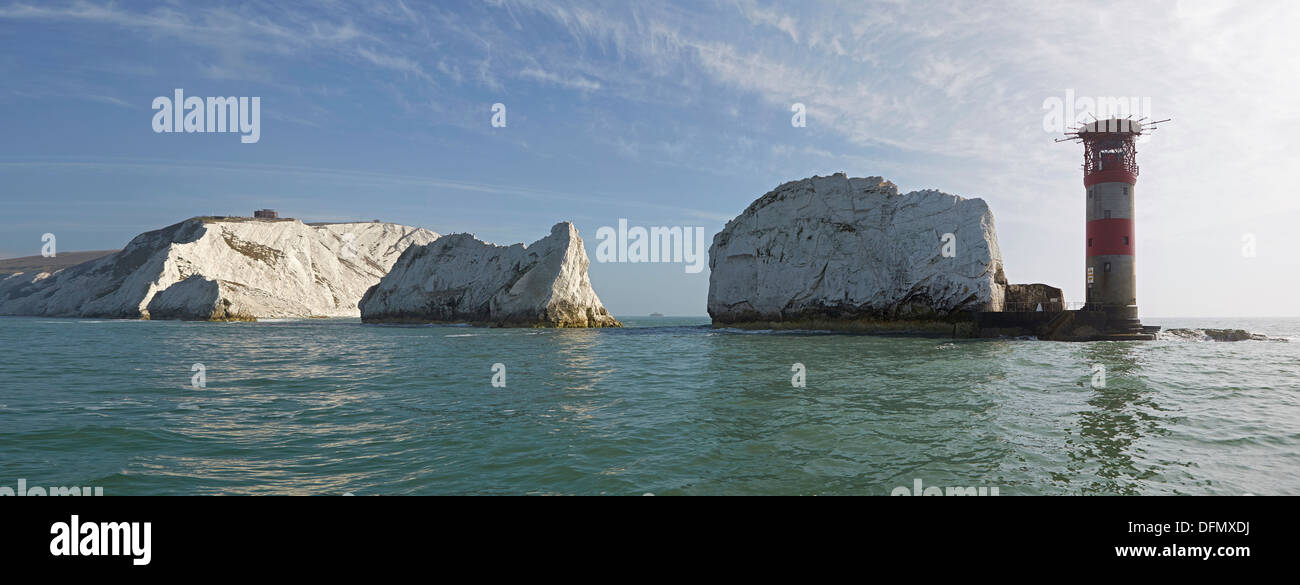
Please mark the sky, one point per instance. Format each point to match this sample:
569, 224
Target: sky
665, 114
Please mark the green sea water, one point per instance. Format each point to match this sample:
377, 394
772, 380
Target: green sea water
665, 406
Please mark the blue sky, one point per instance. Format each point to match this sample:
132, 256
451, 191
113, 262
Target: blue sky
672, 114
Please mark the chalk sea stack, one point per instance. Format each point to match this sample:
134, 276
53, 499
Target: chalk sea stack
460, 279
853, 254
221, 269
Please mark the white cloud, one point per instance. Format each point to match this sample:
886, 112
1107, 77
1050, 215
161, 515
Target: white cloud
769, 17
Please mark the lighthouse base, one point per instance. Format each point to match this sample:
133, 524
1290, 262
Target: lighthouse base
1103, 323
1089, 324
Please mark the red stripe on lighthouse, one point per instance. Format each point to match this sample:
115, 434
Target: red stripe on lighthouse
1110, 176
1110, 236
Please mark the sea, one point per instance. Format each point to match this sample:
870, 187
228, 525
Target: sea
665, 406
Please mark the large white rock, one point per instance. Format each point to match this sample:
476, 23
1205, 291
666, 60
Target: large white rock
460, 279
231, 268
834, 249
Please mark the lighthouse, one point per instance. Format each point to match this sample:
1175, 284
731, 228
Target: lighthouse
1110, 173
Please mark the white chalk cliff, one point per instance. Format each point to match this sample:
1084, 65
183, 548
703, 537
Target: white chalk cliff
460, 279
827, 250
221, 269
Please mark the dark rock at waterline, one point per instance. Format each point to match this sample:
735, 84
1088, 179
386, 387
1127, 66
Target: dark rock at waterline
1217, 335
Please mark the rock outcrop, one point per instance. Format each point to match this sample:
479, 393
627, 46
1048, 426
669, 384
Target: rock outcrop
221, 269
852, 253
1216, 335
460, 279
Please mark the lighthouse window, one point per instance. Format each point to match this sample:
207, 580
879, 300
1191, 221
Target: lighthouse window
1125, 240
1089, 242
1106, 268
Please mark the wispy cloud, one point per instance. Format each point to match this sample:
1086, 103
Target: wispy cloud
574, 82
770, 17
394, 62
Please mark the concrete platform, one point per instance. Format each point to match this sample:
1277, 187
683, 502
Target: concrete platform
1061, 326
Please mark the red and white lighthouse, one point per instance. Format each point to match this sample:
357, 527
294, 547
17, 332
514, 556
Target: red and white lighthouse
1110, 173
